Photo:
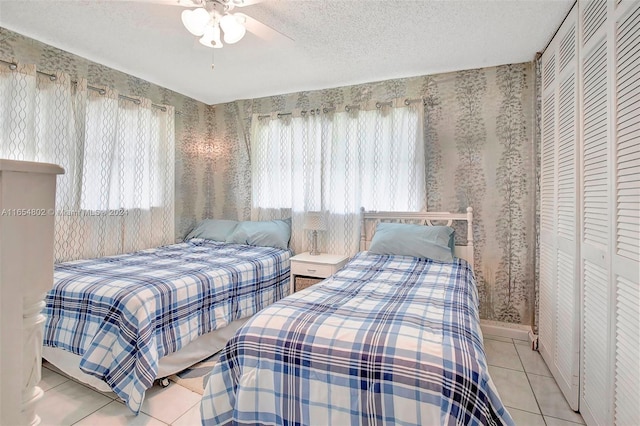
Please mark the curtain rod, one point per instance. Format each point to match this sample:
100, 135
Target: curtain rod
13, 66
347, 108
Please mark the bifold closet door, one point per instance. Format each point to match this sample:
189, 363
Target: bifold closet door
548, 251
596, 212
559, 314
610, 182
626, 218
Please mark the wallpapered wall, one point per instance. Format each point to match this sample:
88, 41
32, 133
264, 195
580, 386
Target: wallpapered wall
479, 138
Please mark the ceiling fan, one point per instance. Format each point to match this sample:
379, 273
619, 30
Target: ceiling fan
213, 21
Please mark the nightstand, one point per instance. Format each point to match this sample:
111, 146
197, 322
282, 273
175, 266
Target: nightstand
318, 266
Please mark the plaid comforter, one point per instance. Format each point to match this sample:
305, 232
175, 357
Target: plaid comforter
387, 340
123, 313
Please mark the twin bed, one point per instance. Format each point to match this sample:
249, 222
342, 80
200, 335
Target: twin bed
118, 323
389, 339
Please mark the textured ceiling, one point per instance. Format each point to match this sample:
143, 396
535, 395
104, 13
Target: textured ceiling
336, 43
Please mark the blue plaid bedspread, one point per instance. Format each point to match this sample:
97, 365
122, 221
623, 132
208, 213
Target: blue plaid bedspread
123, 313
387, 340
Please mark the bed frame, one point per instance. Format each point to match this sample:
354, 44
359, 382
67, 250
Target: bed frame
201, 348
369, 220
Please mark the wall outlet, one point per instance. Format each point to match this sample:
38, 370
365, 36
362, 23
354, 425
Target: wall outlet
533, 338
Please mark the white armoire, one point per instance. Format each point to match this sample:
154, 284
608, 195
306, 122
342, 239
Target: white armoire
27, 194
589, 317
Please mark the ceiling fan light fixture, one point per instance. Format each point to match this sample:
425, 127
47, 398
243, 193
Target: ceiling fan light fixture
233, 29
211, 37
196, 21
217, 43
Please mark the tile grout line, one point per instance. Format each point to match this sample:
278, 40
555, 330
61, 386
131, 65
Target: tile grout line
527, 411
177, 418
506, 368
55, 372
153, 417
93, 412
541, 375
59, 384
529, 382
98, 409
565, 420
501, 366
114, 400
185, 413
534, 394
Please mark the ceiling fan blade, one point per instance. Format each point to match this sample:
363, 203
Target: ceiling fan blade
183, 3
195, 3
243, 3
263, 31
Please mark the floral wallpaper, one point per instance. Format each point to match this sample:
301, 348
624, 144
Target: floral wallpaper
537, 153
479, 137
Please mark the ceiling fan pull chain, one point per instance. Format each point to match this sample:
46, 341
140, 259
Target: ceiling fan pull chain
212, 58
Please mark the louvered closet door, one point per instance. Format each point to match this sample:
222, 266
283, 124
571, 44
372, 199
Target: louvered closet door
595, 232
548, 243
626, 255
559, 291
602, 177
566, 357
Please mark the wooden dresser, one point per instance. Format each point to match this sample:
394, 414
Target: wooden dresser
27, 202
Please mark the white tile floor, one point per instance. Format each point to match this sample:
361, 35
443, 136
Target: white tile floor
521, 376
525, 384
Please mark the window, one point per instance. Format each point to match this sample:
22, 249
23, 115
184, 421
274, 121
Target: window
338, 162
123, 162
341, 161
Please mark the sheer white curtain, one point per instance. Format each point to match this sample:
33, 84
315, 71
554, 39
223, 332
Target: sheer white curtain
117, 191
338, 162
286, 169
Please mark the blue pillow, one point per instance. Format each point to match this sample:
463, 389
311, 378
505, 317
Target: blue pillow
272, 233
431, 242
213, 229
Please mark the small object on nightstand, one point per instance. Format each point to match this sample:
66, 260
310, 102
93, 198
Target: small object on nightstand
315, 266
315, 221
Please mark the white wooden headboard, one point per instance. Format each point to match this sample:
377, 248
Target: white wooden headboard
369, 220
